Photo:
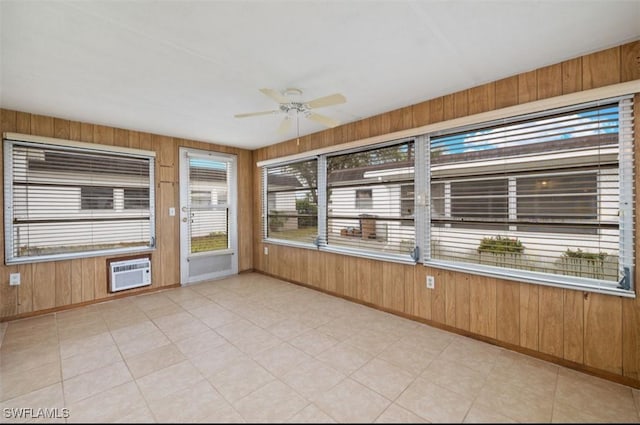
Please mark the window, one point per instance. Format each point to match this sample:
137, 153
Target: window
364, 199
136, 198
543, 194
292, 201
380, 180
96, 198
65, 200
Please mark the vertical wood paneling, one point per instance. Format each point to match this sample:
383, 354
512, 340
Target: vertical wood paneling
451, 286
76, 281
436, 109
463, 307
551, 320
448, 107
44, 285
316, 270
421, 114
482, 98
630, 61
89, 278
631, 337
103, 135
74, 130
167, 240
508, 312
86, 132
482, 296
528, 87
25, 290
601, 68
121, 138
603, 332
23, 123
506, 92
61, 129
42, 126
438, 297
573, 328
549, 81
134, 139
101, 283
9, 295
245, 210
400, 119
63, 283
393, 286
421, 295
529, 316
572, 76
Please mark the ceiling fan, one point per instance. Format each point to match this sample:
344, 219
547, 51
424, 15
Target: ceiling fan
290, 105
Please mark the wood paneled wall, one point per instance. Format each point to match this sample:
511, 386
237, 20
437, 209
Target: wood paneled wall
59, 284
598, 333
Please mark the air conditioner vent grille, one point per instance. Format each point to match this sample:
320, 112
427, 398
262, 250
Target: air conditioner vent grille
130, 274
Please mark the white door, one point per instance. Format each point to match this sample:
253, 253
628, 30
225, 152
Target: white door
208, 221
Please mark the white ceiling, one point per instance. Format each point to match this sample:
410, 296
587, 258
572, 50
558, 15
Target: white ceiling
184, 68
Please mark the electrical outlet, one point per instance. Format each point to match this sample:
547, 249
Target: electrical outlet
266, 250
431, 282
14, 279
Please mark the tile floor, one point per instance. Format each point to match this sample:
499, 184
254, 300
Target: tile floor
256, 349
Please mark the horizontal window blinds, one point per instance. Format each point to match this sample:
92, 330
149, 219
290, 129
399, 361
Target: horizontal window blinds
370, 199
208, 207
292, 201
61, 200
540, 194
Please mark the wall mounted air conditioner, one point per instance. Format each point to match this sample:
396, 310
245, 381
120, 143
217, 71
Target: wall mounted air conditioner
129, 274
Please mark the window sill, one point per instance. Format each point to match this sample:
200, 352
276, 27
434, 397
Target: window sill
79, 255
547, 279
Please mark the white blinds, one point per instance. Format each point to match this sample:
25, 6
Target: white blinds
208, 205
541, 194
292, 201
370, 199
67, 201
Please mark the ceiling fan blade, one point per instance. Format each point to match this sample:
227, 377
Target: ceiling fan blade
332, 99
285, 125
273, 94
322, 119
254, 114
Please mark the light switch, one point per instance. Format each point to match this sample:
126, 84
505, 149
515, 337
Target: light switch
14, 279
172, 212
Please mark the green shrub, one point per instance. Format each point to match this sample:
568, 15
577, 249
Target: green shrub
499, 245
569, 253
276, 221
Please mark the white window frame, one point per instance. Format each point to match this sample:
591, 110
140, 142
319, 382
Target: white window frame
11, 139
626, 188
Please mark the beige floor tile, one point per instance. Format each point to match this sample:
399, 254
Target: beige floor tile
312, 378
248, 337
428, 339
601, 399
214, 315
433, 402
133, 332
211, 362
273, 402
117, 320
513, 401
165, 310
344, 358
153, 360
311, 415
482, 415
409, 357
371, 341
82, 345
288, 329
169, 380
108, 406
472, 354
240, 378
50, 397
196, 403
636, 397
350, 401
563, 413
19, 382
94, 382
384, 378
195, 302
180, 326
141, 415
455, 377
281, 359
143, 343
82, 331
200, 343
313, 342
395, 414
339, 329
150, 301
12, 361
90, 360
